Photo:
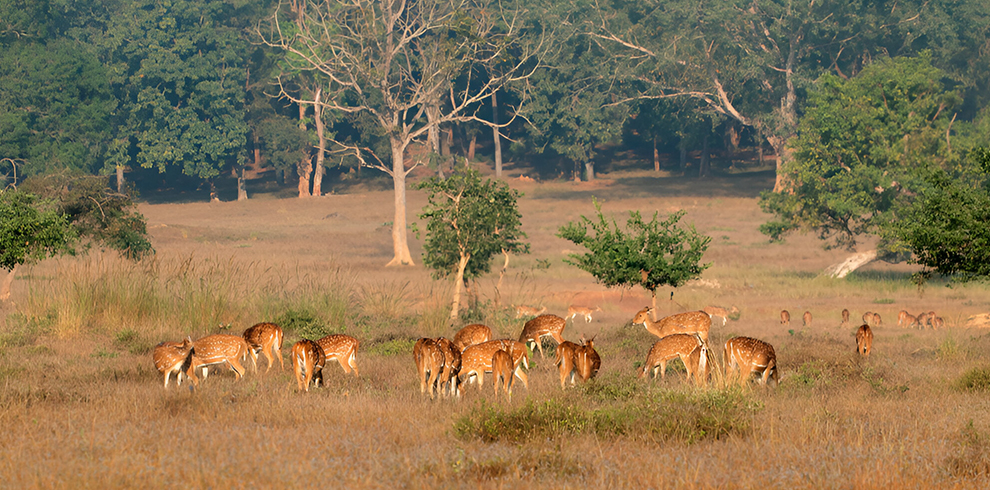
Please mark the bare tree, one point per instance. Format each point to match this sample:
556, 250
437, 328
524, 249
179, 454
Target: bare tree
395, 59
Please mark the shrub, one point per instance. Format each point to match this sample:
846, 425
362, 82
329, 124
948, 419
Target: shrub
976, 379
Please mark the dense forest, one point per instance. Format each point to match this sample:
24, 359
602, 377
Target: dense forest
849, 96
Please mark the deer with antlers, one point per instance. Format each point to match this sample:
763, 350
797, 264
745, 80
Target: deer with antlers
219, 349
543, 326
502, 369
690, 322
473, 334
679, 345
343, 349
476, 360
308, 361
265, 338
864, 340
745, 356
175, 357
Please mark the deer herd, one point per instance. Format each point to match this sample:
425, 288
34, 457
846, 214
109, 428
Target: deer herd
442, 364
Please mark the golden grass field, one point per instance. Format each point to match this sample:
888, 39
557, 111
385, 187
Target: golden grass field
83, 407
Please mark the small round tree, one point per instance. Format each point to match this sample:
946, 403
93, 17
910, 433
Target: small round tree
29, 231
469, 221
649, 254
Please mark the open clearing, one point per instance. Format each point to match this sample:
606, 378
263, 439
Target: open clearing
82, 405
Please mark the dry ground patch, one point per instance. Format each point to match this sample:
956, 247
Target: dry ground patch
82, 405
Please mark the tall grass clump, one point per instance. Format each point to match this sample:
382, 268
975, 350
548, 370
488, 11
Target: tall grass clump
681, 416
307, 304
971, 455
976, 379
384, 304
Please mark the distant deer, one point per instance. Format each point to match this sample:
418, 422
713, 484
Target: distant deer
745, 356
543, 326
785, 318
877, 321
307, 362
429, 365
718, 311
868, 317
576, 311
175, 357
845, 317
524, 310
265, 338
938, 323
502, 369
473, 334
806, 319
477, 359
864, 340
449, 380
690, 322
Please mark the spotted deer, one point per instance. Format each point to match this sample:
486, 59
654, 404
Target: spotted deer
906, 320
308, 361
477, 359
343, 349
502, 369
744, 356
877, 321
265, 338
543, 326
845, 317
806, 319
472, 335
924, 320
219, 349
690, 322
575, 311
720, 312
668, 348
429, 364
938, 323
449, 381
785, 318
868, 317
864, 340
175, 357
523, 310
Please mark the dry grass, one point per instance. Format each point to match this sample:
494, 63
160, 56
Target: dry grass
82, 405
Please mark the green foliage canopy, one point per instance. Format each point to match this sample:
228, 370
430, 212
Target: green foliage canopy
470, 218
649, 254
30, 229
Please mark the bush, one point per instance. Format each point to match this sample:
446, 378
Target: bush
976, 379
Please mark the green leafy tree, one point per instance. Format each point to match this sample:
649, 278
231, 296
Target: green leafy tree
861, 144
649, 254
469, 222
947, 227
30, 230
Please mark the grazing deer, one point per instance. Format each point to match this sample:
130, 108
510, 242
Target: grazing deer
691, 322
718, 311
566, 352
542, 326
343, 349
923, 320
906, 320
524, 310
845, 317
864, 340
938, 323
502, 372
449, 381
429, 364
670, 347
931, 319
576, 311
476, 360
175, 357
877, 321
587, 360
308, 361
265, 338
806, 319
747, 356
868, 317
472, 335
219, 349
785, 318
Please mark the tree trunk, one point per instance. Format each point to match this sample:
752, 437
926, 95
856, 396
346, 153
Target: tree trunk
705, 158
471, 147
321, 151
400, 241
120, 179
842, 269
783, 156
7, 282
305, 166
242, 194
656, 156
458, 280
683, 146
446, 142
589, 170
498, 142
501, 275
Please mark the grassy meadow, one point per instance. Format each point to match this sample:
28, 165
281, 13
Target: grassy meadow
83, 406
